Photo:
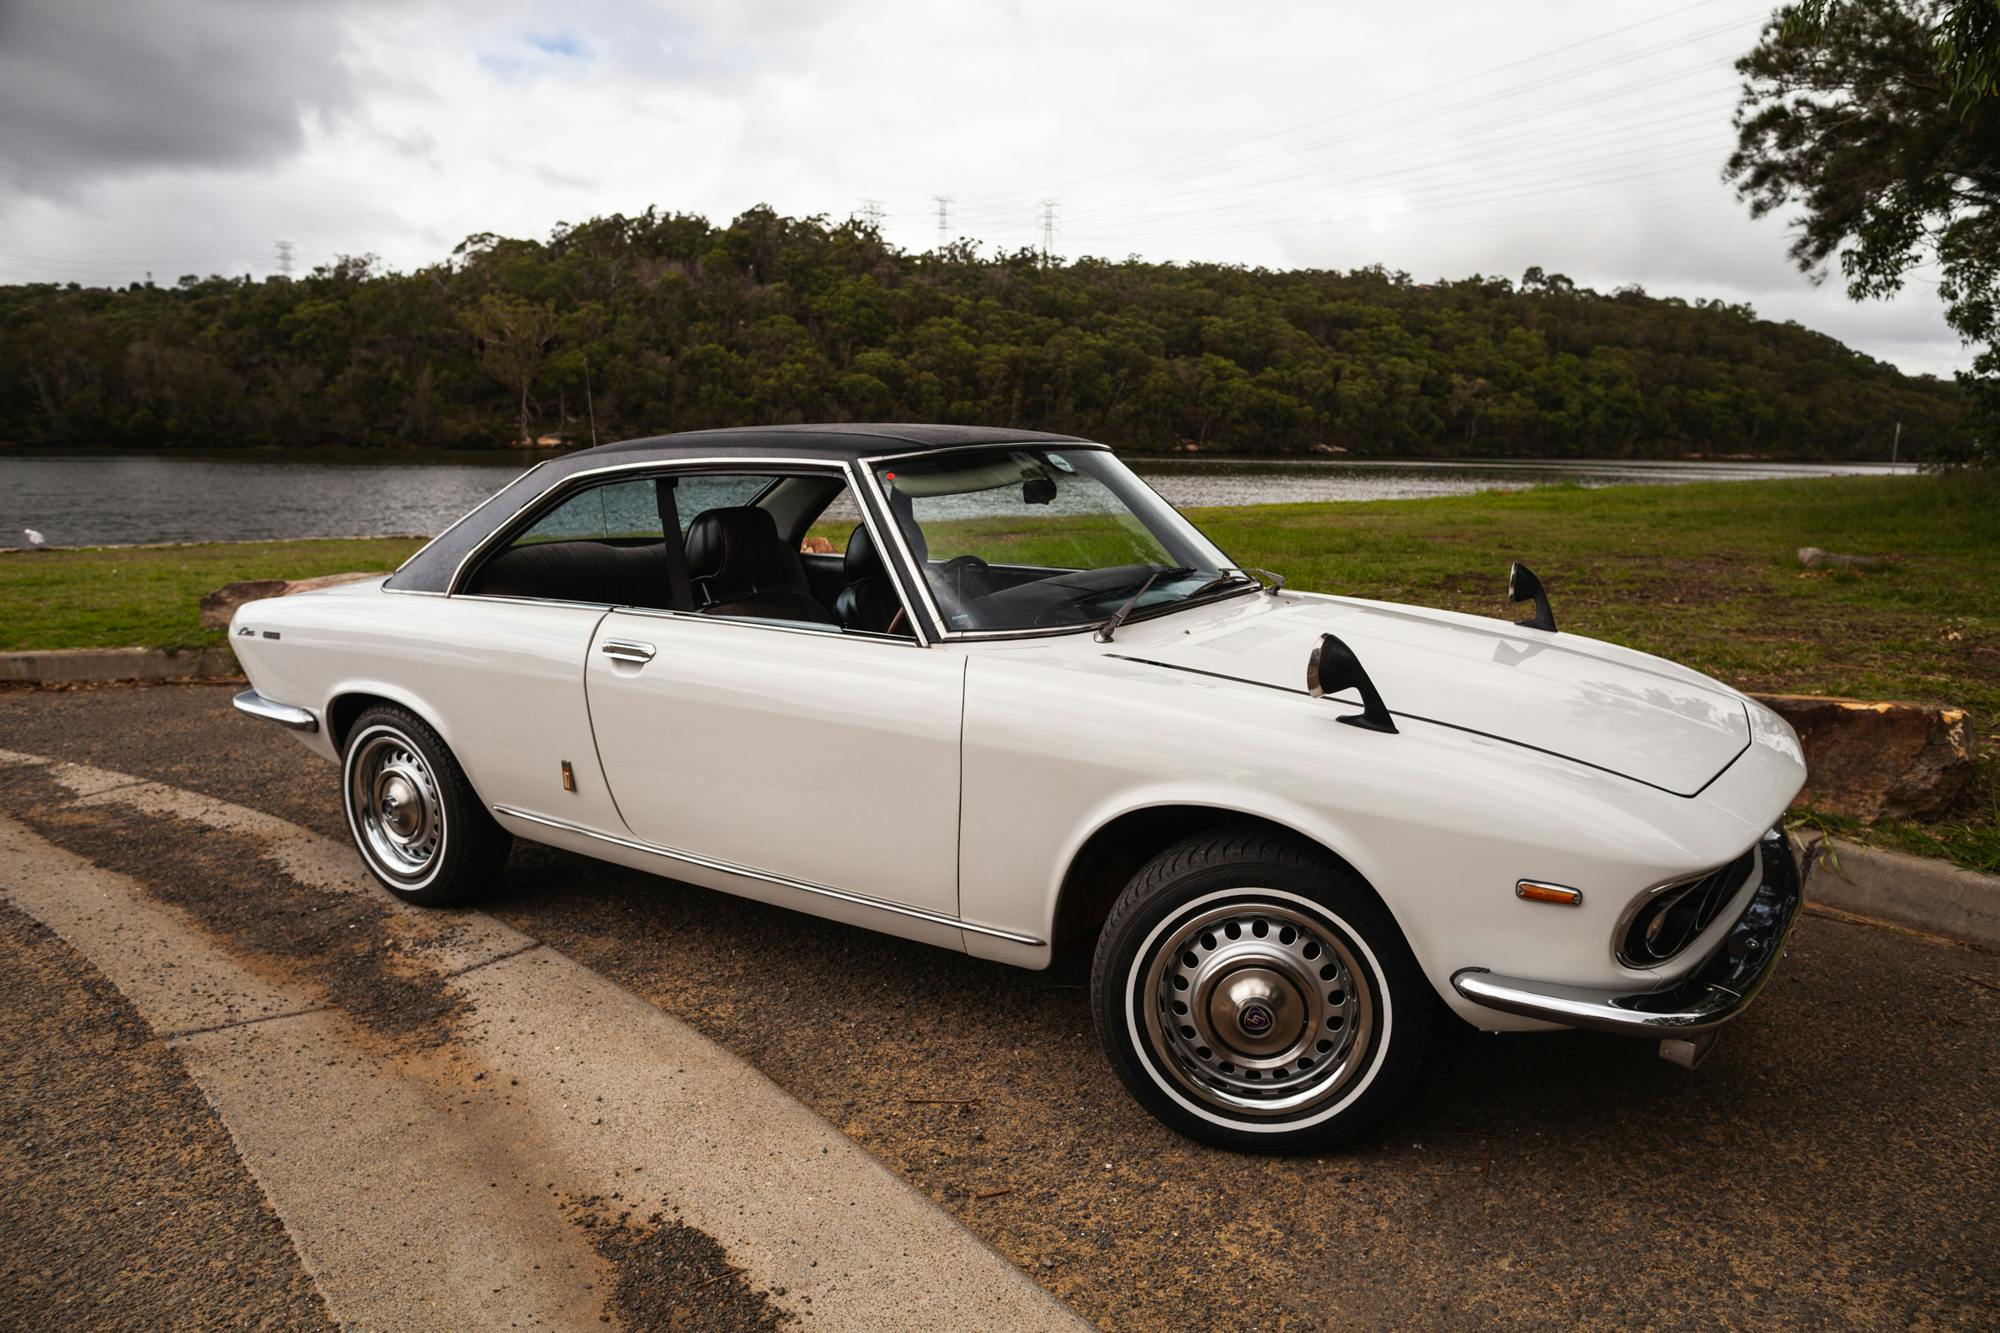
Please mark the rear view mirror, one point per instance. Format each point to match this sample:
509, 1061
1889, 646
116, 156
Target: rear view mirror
1038, 491
1333, 667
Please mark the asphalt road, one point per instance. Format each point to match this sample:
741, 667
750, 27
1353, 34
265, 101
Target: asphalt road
1833, 1164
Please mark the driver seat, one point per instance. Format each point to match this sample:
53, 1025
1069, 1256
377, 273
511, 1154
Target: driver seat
739, 567
869, 600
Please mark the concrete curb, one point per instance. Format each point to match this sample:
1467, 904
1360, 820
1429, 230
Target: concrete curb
77, 665
1915, 891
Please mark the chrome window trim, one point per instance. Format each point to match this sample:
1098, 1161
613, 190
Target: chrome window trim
781, 626
462, 518
772, 877
575, 481
656, 467
1042, 442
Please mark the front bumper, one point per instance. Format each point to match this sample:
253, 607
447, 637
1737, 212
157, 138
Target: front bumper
1706, 998
285, 715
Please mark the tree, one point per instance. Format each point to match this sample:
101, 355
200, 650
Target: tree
513, 334
1880, 120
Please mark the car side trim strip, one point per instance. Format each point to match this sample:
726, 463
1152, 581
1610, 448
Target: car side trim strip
769, 877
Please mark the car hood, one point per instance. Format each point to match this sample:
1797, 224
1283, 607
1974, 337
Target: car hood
1609, 707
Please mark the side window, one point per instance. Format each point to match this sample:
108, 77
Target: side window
836, 523
700, 492
602, 545
621, 511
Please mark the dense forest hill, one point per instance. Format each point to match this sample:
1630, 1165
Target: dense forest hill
627, 326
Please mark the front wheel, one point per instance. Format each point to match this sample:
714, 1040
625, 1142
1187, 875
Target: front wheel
415, 819
1253, 993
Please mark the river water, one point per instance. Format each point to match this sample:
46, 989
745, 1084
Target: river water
92, 499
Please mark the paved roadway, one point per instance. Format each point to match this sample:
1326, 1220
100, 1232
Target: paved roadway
1833, 1165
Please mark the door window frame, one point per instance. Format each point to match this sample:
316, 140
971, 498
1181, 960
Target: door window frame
849, 474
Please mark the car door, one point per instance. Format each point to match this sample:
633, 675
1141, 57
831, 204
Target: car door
818, 757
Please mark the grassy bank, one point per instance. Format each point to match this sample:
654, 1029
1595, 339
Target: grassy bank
150, 596
1706, 574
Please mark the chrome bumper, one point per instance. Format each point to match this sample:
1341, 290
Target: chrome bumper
1705, 999
285, 715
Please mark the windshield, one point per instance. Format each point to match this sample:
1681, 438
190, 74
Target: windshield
1019, 538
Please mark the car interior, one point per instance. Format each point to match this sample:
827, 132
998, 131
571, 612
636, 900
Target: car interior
743, 560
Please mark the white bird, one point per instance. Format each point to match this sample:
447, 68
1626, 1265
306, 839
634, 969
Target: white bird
35, 538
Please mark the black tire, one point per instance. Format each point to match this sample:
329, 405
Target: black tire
451, 849
1283, 960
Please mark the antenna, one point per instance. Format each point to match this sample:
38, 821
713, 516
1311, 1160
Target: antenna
943, 202
285, 258
1048, 229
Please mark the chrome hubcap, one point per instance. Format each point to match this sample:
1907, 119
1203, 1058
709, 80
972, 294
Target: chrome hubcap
1258, 1008
394, 801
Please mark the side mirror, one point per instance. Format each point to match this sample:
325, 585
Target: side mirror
1523, 586
1038, 491
1333, 667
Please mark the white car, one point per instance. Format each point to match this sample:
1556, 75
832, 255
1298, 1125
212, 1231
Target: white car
985, 689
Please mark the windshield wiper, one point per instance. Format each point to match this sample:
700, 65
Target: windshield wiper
1117, 618
1222, 580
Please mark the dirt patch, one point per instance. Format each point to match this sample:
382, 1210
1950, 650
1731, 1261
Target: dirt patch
122, 1200
346, 944
671, 1275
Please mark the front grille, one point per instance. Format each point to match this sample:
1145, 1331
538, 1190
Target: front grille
1674, 916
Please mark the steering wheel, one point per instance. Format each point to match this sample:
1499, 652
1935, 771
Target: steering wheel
956, 569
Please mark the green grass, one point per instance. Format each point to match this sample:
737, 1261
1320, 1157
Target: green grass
1706, 574
150, 596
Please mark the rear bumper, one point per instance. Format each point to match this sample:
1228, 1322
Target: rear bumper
285, 715
1706, 998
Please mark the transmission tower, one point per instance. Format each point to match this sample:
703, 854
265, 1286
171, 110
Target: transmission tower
871, 213
1048, 230
943, 202
285, 258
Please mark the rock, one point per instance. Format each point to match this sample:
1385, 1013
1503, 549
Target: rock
1814, 558
1867, 760
218, 606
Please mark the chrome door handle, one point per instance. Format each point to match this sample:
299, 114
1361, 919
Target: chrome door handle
628, 650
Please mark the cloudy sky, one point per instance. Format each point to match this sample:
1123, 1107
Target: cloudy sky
1442, 138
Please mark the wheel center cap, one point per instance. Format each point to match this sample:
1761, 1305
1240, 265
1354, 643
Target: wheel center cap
1257, 1011
400, 808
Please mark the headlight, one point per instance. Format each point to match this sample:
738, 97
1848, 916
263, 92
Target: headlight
1673, 916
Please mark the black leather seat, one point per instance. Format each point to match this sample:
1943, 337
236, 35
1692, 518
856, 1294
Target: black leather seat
869, 601
578, 571
740, 568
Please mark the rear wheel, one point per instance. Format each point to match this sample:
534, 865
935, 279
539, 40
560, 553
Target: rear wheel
1252, 992
414, 817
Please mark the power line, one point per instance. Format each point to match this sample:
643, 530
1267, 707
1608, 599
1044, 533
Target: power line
1428, 91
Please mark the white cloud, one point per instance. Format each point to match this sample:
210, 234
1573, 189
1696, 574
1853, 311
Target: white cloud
1440, 139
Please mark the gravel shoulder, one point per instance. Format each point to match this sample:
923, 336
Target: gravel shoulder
122, 1200
1836, 1163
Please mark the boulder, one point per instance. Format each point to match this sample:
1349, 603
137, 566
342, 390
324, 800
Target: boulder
1868, 759
218, 606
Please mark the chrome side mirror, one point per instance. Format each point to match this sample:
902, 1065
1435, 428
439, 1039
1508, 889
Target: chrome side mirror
1333, 667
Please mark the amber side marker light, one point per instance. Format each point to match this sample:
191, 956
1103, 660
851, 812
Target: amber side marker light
1529, 891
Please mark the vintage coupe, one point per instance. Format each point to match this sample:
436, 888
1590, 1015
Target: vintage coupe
983, 688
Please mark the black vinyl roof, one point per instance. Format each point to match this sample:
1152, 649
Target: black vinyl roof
431, 569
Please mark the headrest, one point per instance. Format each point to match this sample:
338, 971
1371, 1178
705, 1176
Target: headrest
735, 550
862, 561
